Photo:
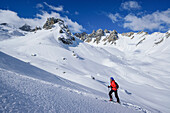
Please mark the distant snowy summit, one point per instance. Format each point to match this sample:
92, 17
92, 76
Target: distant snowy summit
63, 32
28, 28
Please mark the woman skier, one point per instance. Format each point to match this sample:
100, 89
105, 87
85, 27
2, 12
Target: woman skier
114, 86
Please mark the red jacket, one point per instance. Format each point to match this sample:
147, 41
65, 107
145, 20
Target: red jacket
113, 85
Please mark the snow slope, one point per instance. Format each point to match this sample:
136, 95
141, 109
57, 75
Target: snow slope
26, 88
50, 65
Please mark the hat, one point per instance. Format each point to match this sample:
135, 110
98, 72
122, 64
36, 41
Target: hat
112, 78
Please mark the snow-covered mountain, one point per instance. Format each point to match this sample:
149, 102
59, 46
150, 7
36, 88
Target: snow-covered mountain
8, 31
126, 41
52, 70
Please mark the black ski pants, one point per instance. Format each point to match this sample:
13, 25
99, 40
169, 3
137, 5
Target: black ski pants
116, 95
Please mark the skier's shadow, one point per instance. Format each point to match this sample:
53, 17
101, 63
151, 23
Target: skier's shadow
104, 83
127, 92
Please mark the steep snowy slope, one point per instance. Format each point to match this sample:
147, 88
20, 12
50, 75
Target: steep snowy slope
25, 88
141, 70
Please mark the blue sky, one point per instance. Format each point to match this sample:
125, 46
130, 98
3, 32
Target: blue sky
86, 15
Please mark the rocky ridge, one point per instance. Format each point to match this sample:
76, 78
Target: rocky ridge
99, 35
107, 37
68, 37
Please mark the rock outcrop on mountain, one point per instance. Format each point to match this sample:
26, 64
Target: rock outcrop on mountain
66, 41
99, 32
96, 36
129, 34
142, 32
167, 34
112, 37
81, 36
25, 28
106, 31
66, 36
35, 29
51, 21
92, 34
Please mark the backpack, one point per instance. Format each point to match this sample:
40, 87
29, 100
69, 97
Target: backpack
117, 86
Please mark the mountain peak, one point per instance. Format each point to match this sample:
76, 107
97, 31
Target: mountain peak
51, 21
25, 27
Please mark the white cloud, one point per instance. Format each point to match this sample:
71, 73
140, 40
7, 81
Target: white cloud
39, 6
74, 26
155, 21
114, 17
13, 19
76, 13
40, 19
59, 8
130, 5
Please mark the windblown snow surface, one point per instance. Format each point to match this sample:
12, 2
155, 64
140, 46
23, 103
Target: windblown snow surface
38, 73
